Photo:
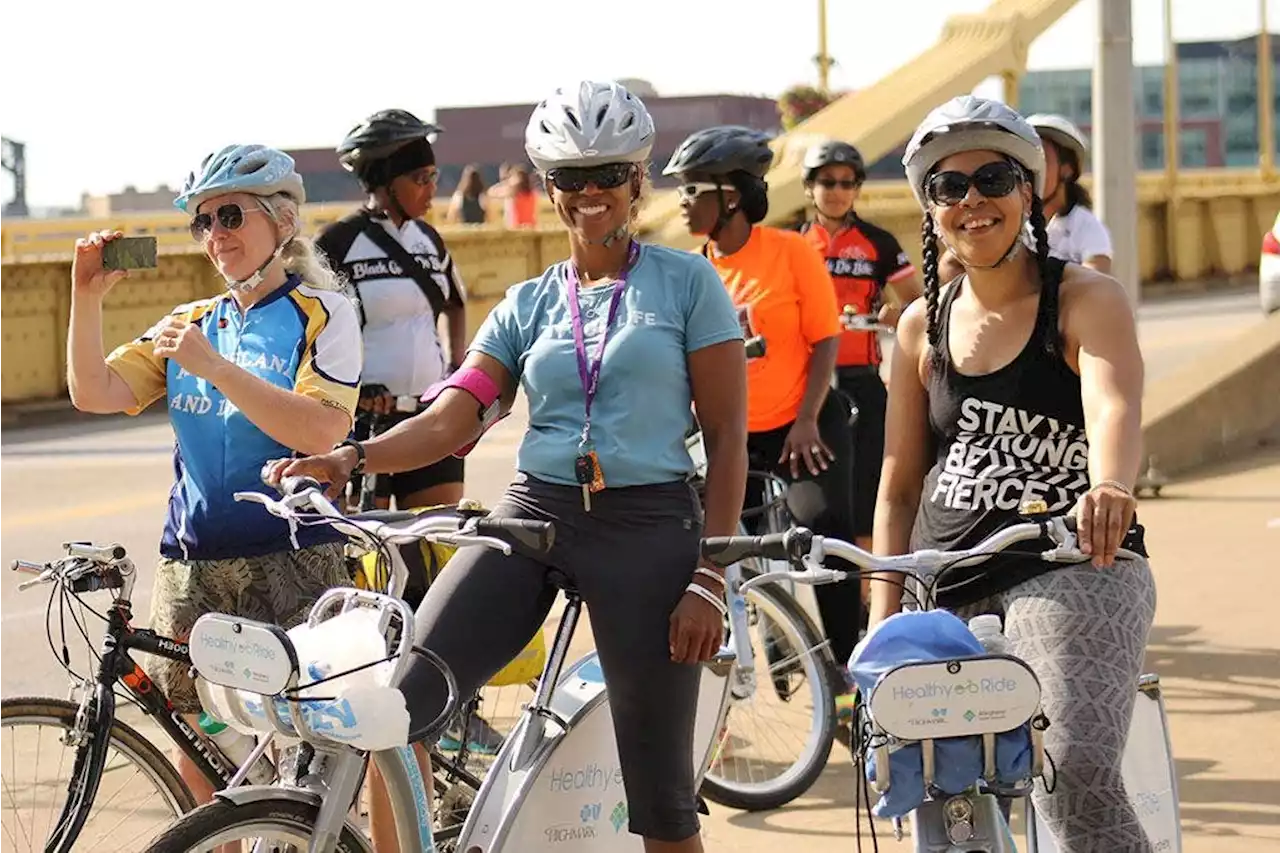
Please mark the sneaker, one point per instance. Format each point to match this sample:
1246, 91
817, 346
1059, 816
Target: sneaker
482, 738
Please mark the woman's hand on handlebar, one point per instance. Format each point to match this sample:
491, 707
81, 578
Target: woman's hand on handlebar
376, 399
1103, 516
332, 468
697, 628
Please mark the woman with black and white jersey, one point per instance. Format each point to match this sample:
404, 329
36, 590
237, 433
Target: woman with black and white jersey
405, 281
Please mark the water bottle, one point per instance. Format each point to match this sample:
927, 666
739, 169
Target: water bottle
987, 629
236, 747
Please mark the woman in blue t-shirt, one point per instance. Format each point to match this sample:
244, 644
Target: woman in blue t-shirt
609, 468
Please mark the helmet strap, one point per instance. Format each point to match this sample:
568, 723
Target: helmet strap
247, 284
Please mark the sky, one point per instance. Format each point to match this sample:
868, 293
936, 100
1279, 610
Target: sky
107, 95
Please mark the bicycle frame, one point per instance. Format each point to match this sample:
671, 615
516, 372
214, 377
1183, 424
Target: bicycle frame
98, 708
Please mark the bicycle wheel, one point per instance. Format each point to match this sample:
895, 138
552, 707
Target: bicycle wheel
282, 823
116, 816
743, 772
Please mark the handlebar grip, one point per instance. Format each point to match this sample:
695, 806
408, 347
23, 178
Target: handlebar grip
535, 535
727, 550
755, 347
295, 485
89, 551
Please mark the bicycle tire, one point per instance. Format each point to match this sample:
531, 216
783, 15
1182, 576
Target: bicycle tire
212, 819
760, 797
122, 737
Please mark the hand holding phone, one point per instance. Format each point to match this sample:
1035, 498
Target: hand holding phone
90, 273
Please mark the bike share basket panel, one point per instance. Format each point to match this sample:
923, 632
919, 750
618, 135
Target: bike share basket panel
944, 714
331, 679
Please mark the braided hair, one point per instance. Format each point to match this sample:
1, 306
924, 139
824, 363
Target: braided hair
929, 237
1047, 314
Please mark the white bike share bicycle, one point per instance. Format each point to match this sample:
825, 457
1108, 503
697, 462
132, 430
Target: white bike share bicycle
557, 777
901, 709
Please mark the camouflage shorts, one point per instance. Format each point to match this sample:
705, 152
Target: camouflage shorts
279, 588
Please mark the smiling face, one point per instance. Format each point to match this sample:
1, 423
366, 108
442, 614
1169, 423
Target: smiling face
835, 190
594, 202
978, 200
237, 234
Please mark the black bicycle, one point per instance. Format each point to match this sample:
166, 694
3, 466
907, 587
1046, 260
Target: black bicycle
105, 747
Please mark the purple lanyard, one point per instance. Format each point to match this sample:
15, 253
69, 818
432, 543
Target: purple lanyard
589, 372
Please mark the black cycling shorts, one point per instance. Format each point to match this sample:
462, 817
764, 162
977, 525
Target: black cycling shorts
630, 559
450, 469
866, 389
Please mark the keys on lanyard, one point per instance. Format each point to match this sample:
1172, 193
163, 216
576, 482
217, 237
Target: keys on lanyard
586, 467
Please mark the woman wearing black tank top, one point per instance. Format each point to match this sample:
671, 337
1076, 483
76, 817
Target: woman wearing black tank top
1022, 379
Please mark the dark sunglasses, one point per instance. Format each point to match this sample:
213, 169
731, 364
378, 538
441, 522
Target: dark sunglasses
994, 180
832, 183
607, 177
230, 216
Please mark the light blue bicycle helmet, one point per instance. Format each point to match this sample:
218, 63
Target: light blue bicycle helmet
254, 169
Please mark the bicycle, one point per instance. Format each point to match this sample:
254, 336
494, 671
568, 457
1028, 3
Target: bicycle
971, 819
91, 726
458, 772
303, 811
796, 653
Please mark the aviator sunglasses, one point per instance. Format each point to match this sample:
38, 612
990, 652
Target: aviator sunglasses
994, 180
230, 216
574, 180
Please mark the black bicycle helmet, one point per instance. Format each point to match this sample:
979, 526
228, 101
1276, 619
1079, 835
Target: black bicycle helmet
721, 151
831, 153
380, 135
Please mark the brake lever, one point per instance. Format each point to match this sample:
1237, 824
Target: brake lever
463, 537
44, 577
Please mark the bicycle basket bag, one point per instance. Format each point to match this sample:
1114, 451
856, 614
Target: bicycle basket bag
425, 560
927, 636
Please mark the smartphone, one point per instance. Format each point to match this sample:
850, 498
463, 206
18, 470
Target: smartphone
129, 253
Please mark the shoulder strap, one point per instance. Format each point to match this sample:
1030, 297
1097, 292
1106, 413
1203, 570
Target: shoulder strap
412, 269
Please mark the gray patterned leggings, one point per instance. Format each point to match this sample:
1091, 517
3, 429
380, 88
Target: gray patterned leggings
1084, 634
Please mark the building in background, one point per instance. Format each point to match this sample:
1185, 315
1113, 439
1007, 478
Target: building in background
129, 201
1217, 94
493, 135
1218, 109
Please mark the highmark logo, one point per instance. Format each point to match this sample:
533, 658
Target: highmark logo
955, 689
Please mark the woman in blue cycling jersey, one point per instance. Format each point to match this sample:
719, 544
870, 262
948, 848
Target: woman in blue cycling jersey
268, 367
611, 348
1022, 380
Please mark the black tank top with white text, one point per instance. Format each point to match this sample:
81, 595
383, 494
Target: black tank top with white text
1002, 438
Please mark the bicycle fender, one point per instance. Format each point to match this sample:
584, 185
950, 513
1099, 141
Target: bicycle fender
244, 794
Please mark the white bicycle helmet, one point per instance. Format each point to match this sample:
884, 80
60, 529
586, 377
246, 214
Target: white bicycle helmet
1061, 130
969, 123
588, 123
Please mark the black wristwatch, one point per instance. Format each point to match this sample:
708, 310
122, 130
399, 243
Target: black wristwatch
359, 448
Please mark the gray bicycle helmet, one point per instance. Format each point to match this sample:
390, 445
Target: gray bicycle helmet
1062, 131
588, 123
968, 123
833, 152
722, 150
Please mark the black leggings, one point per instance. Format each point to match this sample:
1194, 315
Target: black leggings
630, 558
824, 504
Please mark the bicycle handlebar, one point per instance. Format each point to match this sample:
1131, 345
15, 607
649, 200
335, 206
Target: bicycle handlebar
304, 493
86, 568
800, 545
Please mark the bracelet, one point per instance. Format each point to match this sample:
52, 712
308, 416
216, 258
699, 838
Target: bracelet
1115, 484
359, 449
708, 573
708, 596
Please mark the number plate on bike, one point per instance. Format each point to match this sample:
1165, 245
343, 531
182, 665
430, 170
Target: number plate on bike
242, 654
955, 698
